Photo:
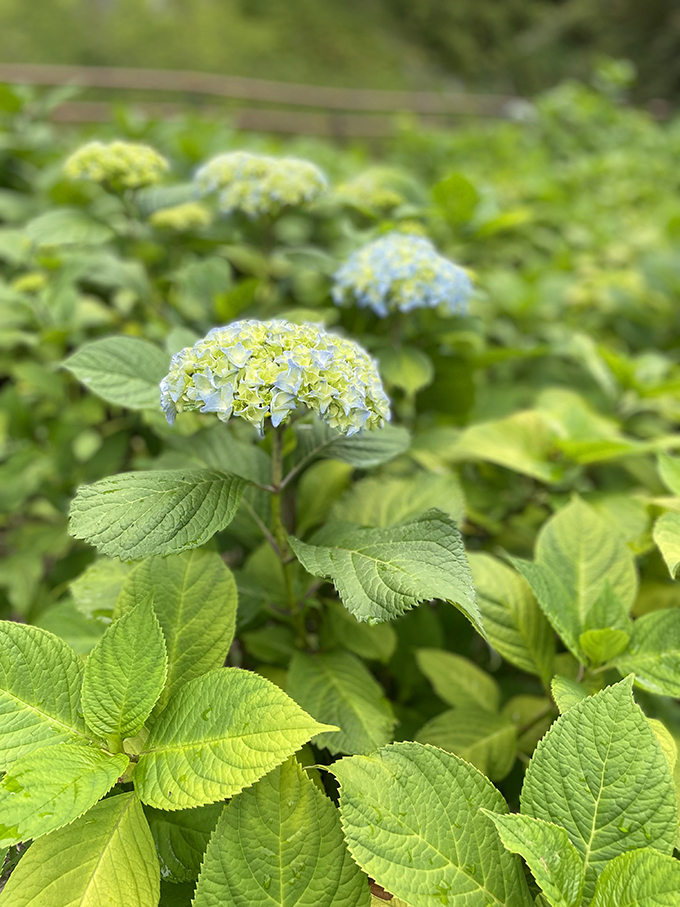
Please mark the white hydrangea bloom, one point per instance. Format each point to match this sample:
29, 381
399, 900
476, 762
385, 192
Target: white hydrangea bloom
259, 184
401, 272
266, 369
129, 164
187, 216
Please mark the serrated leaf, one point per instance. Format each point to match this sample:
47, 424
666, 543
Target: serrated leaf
105, 857
601, 775
581, 549
218, 734
372, 642
654, 652
666, 742
125, 371
40, 679
513, 621
412, 821
555, 603
139, 514
194, 597
336, 688
363, 450
666, 535
124, 674
640, 878
384, 501
532, 716
566, 692
486, 739
217, 448
457, 680
549, 854
600, 646
381, 573
259, 855
52, 786
181, 838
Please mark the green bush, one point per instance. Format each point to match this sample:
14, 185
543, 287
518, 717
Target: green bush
282, 652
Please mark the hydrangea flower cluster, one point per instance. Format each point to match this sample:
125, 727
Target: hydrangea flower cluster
264, 369
128, 164
369, 190
402, 272
187, 216
259, 184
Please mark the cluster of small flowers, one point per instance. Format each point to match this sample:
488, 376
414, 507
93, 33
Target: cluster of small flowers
187, 216
128, 164
401, 272
264, 369
259, 184
368, 190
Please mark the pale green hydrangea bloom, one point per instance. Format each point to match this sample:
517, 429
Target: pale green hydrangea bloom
266, 369
127, 164
369, 190
259, 184
187, 216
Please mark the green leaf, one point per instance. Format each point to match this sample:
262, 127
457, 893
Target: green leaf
640, 878
412, 821
666, 535
549, 854
370, 641
514, 624
555, 603
654, 652
66, 621
406, 367
363, 450
97, 588
218, 734
217, 448
181, 838
566, 692
125, 371
381, 573
53, 786
319, 487
125, 674
666, 742
40, 679
105, 857
67, 226
581, 549
194, 597
457, 197
138, 514
669, 470
486, 739
601, 775
517, 626
336, 688
280, 843
600, 646
457, 680
384, 501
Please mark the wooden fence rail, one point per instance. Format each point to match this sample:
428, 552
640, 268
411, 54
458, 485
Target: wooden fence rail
339, 111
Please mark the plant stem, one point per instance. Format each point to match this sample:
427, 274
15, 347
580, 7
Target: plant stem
281, 537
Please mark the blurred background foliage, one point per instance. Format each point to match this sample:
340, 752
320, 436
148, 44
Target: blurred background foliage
518, 46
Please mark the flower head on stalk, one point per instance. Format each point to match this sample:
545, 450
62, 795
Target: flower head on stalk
260, 184
401, 272
187, 216
266, 369
128, 164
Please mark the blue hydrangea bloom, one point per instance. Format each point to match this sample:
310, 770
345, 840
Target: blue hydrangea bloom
265, 369
402, 272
